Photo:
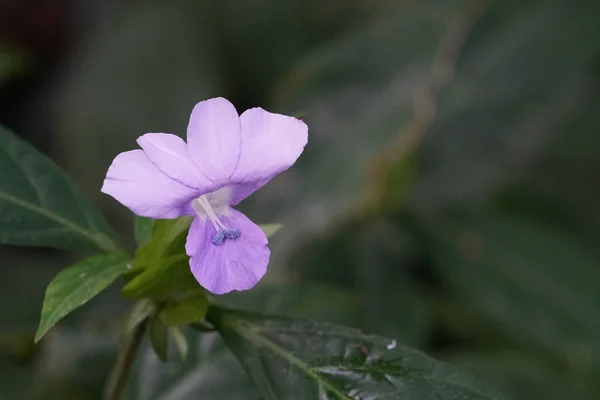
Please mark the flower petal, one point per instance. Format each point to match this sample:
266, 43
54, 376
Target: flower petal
214, 137
140, 186
271, 143
236, 264
170, 154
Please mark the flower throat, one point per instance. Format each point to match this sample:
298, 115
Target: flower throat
203, 208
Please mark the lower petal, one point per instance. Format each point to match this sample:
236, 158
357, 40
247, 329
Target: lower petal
236, 264
140, 186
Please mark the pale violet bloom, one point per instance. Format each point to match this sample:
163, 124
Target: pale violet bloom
226, 158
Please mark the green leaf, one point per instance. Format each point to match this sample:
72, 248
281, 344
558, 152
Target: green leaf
142, 229
306, 359
167, 239
161, 266
76, 285
271, 229
210, 371
157, 331
172, 275
40, 206
186, 311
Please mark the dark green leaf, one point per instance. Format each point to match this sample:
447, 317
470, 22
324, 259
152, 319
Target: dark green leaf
522, 377
157, 331
76, 285
210, 371
142, 229
188, 310
304, 359
40, 206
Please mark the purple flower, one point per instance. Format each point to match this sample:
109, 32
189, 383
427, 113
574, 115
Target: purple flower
226, 158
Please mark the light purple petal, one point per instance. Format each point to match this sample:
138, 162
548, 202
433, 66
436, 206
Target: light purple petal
170, 154
214, 137
271, 143
140, 186
240, 191
236, 264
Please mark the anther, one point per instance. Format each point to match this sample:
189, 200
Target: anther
223, 234
201, 204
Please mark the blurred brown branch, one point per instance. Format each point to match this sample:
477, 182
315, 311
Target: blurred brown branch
425, 100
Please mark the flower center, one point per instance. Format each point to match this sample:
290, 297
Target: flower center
205, 207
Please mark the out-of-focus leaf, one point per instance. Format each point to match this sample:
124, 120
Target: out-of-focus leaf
143, 70
516, 87
158, 334
561, 189
357, 93
264, 38
520, 377
299, 299
188, 310
306, 359
509, 96
534, 284
76, 285
72, 364
40, 206
16, 379
394, 302
270, 229
176, 333
142, 229
375, 262
209, 372
12, 62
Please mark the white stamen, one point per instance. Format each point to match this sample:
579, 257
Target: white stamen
202, 201
205, 207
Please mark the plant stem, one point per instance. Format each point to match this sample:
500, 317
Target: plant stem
126, 355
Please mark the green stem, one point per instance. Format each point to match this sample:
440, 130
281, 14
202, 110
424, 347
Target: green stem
120, 372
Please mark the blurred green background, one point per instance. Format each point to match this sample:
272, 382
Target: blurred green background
449, 195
